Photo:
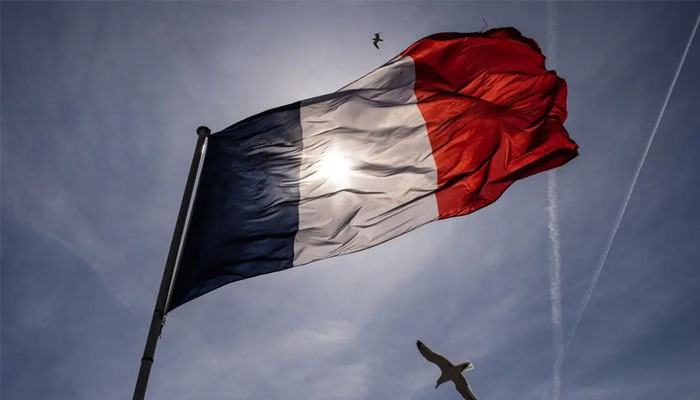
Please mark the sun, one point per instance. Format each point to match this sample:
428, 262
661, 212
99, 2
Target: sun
334, 166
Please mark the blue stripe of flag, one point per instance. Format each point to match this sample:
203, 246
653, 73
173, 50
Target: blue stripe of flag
245, 214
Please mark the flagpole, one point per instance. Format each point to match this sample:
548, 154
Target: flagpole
159, 312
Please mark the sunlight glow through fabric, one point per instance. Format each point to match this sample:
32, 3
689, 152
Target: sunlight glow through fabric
439, 131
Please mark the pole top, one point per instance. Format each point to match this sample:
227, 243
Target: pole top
203, 131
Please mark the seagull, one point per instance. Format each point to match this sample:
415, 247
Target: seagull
449, 371
376, 39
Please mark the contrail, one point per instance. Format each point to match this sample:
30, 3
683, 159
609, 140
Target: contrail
553, 226
554, 280
604, 257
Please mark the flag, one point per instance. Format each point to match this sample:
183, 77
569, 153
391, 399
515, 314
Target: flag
441, 130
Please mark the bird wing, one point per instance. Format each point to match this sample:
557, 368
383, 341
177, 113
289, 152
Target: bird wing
375, 43
464, 389
432, 356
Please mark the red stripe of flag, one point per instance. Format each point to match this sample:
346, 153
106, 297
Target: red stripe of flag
493, 113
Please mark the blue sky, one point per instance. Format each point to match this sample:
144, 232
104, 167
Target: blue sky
99, 105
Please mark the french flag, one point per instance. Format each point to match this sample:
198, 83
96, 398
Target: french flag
441, 130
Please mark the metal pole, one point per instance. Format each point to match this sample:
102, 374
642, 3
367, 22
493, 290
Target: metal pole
158, 319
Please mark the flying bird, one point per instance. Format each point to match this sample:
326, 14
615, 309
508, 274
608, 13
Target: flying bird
449, 371
376, 40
